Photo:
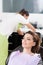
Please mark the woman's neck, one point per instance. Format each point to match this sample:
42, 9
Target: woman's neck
28, 51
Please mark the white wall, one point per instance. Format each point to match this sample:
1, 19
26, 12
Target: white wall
32, 18
36, 18
8, 17
1, 6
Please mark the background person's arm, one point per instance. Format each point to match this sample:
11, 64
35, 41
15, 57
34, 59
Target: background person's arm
31, 27
20, 32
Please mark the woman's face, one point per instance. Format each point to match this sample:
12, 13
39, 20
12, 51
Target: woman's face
27, 41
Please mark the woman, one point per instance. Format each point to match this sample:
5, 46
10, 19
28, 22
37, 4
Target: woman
29, 56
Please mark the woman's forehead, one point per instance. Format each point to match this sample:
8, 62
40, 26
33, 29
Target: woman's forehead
28, 35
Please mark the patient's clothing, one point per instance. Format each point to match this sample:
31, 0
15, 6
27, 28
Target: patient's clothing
18, 58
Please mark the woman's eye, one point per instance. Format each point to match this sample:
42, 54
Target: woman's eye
28, 39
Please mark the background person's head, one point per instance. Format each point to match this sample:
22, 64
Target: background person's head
31, 40
24, 13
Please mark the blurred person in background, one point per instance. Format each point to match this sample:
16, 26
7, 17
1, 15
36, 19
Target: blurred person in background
24, 26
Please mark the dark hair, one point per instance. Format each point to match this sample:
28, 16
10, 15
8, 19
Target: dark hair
36, 39
23, 11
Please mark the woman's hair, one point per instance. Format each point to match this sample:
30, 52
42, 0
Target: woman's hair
36, 39
23, 11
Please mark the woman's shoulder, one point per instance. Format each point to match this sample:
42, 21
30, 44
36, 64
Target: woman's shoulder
12, 56
14, 53
37, 55
39, 59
